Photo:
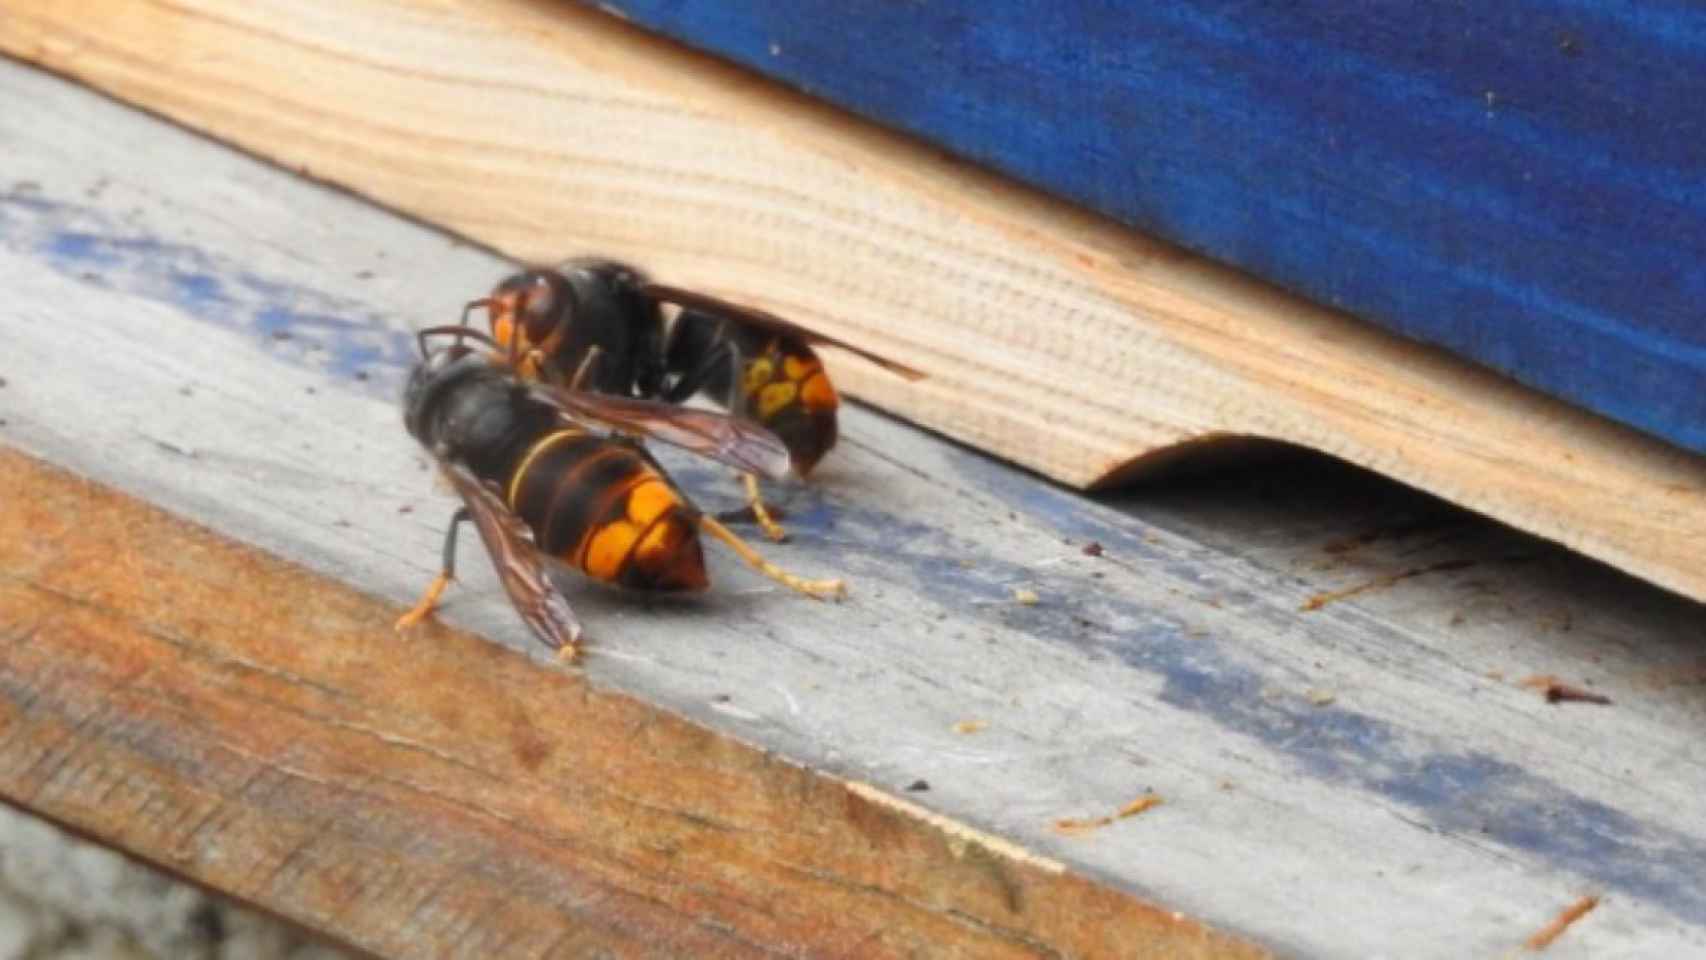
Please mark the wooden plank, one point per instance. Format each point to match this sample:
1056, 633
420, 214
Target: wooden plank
1051, 338
252, 333
1512, 181
277, 742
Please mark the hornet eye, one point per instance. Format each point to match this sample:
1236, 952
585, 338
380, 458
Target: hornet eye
539, 298
538, 304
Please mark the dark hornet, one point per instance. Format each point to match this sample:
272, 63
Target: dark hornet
545, 470
600, 325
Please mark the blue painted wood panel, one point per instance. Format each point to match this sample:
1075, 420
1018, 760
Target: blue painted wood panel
1523, 183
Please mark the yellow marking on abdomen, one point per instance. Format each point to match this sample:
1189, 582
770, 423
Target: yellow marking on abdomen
649, 500
776, 396
581, 557
758, 373
607, 553
610, 546
534, 451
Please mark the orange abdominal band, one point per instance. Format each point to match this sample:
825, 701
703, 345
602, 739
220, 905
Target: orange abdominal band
608, 550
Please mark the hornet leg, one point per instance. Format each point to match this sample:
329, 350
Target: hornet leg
588, 364
761, 512
434, 590
689, 384
749, 481
693, 380
817, 589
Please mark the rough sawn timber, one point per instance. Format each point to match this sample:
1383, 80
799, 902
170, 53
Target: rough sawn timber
225, 341
447, 798
1052, 338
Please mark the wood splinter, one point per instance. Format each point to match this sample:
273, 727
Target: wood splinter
1545, 935
1073, 827
1557, 691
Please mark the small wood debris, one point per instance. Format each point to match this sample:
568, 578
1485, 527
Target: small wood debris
918, 786
1073, 827
1092, 549
1560, 693
970, 726
1320, 600
1545, 935
1319, 698
1025, 596
1557, 691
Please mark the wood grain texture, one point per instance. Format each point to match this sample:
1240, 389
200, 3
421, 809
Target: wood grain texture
1513, 181
1055, 339
253, 329
444, 797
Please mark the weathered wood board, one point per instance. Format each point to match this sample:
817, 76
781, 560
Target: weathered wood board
1055, 339
1364, 778
276, 742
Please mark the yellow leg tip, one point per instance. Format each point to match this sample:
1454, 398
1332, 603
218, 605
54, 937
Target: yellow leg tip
568, 653
817, 589
824, 589
761, 513
428, 603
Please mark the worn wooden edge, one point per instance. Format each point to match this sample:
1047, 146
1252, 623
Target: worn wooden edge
73, 842
1054, 338
261, 730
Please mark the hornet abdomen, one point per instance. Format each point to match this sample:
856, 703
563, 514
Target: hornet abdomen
603, 507
785, 389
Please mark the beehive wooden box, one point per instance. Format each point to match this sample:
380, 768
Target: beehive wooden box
1053, 337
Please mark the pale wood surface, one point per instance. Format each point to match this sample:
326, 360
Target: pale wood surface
1053, 339
248, 334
